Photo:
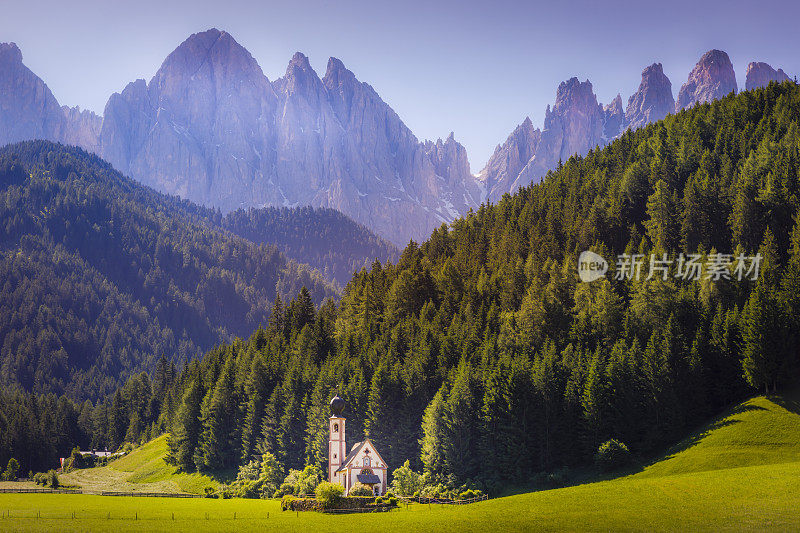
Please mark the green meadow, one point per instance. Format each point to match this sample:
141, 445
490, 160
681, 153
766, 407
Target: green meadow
741, 472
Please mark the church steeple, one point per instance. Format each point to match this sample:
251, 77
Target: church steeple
337, 445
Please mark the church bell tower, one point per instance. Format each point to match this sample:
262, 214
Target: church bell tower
337, 446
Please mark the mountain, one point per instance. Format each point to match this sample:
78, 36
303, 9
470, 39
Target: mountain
576, 124
760, 74
102, 275
322, 238
509, 159
710, 79
210, 127
28, 110
652, 101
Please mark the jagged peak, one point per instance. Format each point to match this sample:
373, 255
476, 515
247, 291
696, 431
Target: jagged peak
652, 70
299, 60
337, 74
10, 52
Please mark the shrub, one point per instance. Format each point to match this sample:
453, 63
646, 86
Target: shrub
52, 479
209, 492
301, 482
261, 479
392, 501
379, 500
611, 455
405, 481
328, 494
360, 490
286, 502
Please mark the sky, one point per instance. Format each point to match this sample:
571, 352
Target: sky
474, 68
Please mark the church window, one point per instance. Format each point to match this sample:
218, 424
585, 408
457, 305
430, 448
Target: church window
366, 461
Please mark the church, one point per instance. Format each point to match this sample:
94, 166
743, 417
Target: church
363, 464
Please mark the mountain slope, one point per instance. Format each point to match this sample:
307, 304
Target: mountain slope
322, 238
101, 275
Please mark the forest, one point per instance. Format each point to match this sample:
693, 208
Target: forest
102, 276
322, 238
481, 357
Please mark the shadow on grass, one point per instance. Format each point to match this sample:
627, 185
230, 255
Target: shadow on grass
789, 401
588, 474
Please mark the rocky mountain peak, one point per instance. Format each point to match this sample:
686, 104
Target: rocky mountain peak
614, 118
10, 53
760, 74
652, 101
713, 77
574, 94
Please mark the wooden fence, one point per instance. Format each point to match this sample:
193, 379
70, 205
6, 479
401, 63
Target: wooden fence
103, 493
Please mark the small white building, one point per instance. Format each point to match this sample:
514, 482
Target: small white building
363, 464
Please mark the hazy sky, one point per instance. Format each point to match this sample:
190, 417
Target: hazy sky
476, 68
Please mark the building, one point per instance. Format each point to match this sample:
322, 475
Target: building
363, 464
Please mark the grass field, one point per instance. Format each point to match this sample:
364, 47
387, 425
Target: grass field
742, 472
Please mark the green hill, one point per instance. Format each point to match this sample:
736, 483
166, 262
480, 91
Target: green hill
739, 473
760, 431
142, 470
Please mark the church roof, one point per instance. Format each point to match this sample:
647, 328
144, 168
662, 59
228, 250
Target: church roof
354, 452
368, 479
352, 455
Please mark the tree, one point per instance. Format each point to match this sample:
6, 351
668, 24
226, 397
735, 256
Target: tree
12, 470
182, 441
218, 443
663, 224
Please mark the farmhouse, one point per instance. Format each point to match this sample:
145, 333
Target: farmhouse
363, 464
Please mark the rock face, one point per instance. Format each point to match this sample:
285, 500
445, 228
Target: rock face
711, 78
201, 128
28, 110
613, 118
211, 127
760, 74
652, 101
509, 159
81, 128
575, 125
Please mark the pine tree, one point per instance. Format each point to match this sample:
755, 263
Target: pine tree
182, 440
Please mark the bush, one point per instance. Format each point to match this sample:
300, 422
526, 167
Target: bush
209, 492
360, 489
392, 501
328, 494
52, 479
611, 455
301, 482
260, 479
286, 502
405, 481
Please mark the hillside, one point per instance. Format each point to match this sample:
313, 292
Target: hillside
482, 358
102, 276
691, 488
322, 238
142, 470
